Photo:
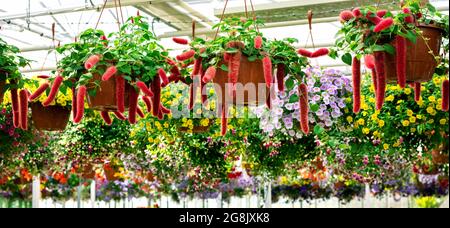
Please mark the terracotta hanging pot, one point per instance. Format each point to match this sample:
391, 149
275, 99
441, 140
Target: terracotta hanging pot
88, 172
105, 98
249, 72
51, 118
420, 64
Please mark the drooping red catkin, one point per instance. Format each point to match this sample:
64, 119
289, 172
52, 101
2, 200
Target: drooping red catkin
106, 117
210, 74
381, 13
375, 80
356, 74
186, 55
191, 96
224, 126
160, 115
226, 57
39, 91
74, 102
258, 42
400, 57
140, 112
80, 104
197, 66
281, 73
268, 74
15, 107
384, 24
406, 10
120, 93
119, 115
148, 103
369, 61
132, 109
409, 19
162, 74
445, 95
234, 66
141, 85
304, 109
417, 91
181, 41
346, 15
175, 71
55, 88
164, 110
111, 71
43, 77
320, 52
91, 61
23, 112
156, 89
373, 18
381, 79
356, 12
304, 52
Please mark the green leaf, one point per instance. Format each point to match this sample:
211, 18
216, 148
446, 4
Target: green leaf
290, 83
224, 67
411, 36
318, 130
314, 107
252, 58
347, 59
389, 49
294, 98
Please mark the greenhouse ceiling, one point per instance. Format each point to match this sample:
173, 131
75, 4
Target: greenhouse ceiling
28, 24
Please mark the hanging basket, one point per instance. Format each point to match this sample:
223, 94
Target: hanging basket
249, 72
88, 172
51, 118
439, 158
420, 64
105, 98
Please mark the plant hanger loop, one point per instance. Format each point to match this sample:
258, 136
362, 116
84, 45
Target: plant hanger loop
101, 13
254, 16
193, 29
221, 19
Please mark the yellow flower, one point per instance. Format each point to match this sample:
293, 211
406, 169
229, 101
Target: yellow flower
349, 119
361, 121
230, 127
407, 91
365, 131
432, 99
420, 102
184, 120
364, 106
385, 146
364, 113
443, 121
150, 140
397, 144
381, 123
430, 110
189, 122
412, 119
413, 129
436, 81
199, 111
348, 100
166, 125
345, 110
431, 121
390, 98
419, 117
374, 117
405, 123
409, 112
398, 107
371, 100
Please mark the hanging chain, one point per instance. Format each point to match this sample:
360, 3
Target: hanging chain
101, 13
